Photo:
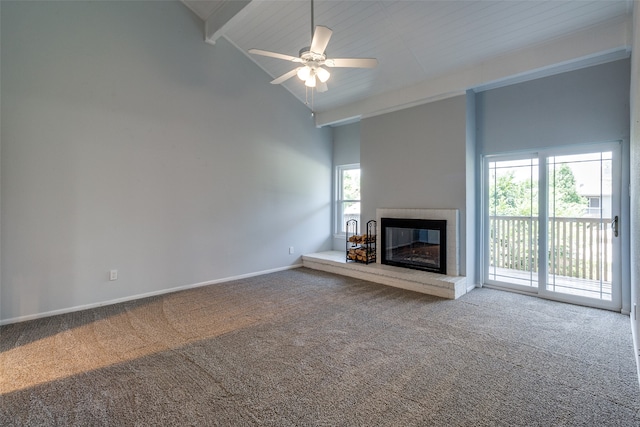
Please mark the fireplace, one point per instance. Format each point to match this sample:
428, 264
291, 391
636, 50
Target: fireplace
414, 243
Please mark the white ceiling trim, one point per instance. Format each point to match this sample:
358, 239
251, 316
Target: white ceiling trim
225, 15
203, 8
604, 42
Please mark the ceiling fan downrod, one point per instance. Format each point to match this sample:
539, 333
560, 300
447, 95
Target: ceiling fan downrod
312, 27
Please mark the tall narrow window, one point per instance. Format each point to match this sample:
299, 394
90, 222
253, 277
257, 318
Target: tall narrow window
348, 195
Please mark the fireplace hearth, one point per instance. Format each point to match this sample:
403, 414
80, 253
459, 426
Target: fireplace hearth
414, 243
450, 285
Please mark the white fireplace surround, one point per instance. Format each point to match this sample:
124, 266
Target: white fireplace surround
450, 215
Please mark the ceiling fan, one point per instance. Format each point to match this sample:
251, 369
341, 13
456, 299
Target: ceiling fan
313, 59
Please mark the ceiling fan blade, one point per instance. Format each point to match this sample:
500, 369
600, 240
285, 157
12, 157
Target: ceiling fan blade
320, 39
274, 55
322, 87
352, 62
285, 76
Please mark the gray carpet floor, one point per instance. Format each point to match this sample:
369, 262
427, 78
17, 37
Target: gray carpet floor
307, 348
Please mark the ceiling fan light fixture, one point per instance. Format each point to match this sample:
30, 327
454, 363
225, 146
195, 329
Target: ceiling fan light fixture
304, 73
311, 81
323, 75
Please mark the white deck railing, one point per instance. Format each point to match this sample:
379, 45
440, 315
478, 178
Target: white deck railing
578, 247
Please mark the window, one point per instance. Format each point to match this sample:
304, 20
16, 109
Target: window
594, 207
348, 196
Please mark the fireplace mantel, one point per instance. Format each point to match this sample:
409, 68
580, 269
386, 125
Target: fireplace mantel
449, 215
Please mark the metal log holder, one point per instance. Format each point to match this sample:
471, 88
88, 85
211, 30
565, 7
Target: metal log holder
371, 241
361, 248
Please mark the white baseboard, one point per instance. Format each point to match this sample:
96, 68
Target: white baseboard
140, 296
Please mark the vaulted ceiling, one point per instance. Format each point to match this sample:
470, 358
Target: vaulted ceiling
426, 49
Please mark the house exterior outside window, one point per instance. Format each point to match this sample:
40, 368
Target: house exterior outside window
594, 206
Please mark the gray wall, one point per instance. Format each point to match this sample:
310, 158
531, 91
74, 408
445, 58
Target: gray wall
635, 185
128, 143
582, 106
346, 151
473, 219
416, 158
346, 144
587, 105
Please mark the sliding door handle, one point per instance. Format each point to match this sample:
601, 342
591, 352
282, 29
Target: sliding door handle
614, 226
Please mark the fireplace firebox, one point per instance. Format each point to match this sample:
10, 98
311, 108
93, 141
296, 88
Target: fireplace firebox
414, 243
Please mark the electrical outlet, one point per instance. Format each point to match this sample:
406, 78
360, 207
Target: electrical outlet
291, 250
113, 275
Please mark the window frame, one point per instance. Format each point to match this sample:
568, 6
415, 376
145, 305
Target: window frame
339, 201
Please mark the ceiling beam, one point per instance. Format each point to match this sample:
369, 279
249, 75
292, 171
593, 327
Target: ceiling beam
223, 17
601, 43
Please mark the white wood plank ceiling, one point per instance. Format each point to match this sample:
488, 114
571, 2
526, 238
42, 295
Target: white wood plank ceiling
414, 41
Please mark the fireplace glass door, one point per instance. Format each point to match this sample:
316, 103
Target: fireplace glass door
417, 244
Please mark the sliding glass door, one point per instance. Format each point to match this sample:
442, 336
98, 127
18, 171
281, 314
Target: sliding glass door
551, 224
582, 227
512, 223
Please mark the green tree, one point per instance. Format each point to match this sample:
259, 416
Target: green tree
351, 184
564, 199
510, 196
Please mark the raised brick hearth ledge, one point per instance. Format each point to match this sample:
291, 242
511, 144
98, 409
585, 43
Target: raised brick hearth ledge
440, 285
